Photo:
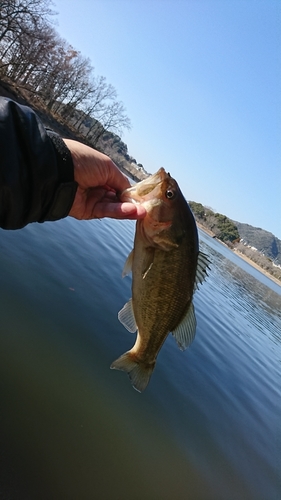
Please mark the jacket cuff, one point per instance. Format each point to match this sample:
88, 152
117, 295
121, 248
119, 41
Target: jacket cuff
66, 191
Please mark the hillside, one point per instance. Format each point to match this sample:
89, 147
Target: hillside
264, 241
218, 225
260, 246
257, 244
108, 142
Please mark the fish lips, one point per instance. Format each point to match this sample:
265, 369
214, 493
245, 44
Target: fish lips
146, 190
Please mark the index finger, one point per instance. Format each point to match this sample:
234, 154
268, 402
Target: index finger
116, 179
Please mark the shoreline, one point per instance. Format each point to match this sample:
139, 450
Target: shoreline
207, 231
7, 90
246, 259
258, 268
11, 91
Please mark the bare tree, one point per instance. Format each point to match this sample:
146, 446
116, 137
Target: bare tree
35, 57
22, 23
14, 14
113, 119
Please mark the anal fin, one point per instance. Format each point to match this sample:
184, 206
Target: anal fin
127, 318
184, 333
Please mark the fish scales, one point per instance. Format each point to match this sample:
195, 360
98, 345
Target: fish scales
162, 293
163, 264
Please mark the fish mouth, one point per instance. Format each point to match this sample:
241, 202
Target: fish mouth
145, 190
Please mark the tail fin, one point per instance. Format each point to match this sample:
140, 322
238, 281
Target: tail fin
138, 371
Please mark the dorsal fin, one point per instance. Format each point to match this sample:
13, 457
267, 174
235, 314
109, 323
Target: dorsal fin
203, 263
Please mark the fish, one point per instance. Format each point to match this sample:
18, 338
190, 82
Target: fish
167, 268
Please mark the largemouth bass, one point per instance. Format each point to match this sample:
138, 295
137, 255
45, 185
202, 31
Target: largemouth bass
166, 268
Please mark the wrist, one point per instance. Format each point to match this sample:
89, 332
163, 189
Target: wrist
67, 187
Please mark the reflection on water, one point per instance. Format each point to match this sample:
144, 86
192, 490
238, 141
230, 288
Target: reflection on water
208, 425
247, 296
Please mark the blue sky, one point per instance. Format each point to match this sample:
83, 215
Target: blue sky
201, 83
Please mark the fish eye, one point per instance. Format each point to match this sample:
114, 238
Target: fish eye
170, 194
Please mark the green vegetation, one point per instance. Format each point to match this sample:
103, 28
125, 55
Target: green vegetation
260, 246
228, 230
223, 228
39, 68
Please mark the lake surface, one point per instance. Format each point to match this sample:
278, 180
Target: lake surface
207, 427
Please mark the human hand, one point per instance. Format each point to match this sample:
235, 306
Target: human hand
99, 182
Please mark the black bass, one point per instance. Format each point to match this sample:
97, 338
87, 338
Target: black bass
166, 268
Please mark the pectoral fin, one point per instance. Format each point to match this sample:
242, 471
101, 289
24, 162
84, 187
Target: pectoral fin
185, 331
128, 264
127, 318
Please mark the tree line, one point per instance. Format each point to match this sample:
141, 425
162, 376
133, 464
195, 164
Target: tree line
225, 229
57, 76
221, 226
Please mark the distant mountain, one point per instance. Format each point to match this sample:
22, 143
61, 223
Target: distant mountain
254, 243
264, 241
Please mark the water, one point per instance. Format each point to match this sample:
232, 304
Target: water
207, 426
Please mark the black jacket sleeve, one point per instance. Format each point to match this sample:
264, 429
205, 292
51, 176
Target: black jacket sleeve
36, 169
